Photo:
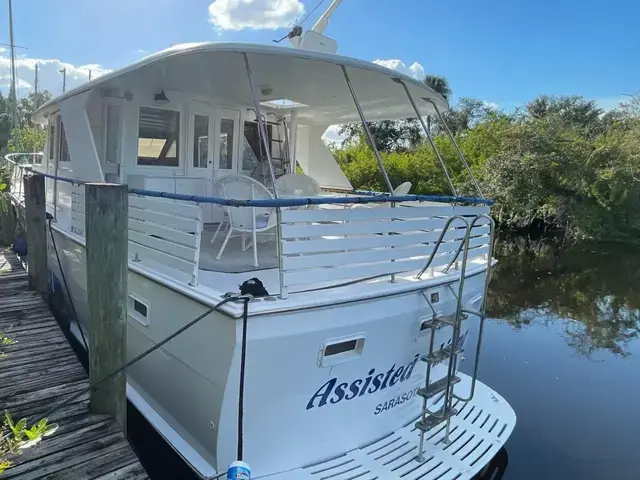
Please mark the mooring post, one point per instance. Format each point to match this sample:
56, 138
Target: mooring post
106, 231
7, 222
35, 213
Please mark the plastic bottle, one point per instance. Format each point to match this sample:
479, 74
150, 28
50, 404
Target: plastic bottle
239, 471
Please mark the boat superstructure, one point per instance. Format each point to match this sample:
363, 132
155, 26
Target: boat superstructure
353, 353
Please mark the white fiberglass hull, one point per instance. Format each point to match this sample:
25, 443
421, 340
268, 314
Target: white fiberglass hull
188, 388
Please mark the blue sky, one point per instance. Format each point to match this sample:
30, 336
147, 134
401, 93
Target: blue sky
504, 52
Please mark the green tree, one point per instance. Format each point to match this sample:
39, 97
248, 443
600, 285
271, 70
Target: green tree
29, 138
439, 84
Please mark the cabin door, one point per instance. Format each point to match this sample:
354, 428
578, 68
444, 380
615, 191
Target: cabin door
200, 152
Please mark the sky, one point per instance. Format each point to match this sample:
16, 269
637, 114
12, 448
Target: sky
502, 52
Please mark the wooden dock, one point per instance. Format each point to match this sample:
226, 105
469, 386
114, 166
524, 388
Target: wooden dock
37, 372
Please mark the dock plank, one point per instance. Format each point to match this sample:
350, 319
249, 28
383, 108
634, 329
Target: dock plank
37, 371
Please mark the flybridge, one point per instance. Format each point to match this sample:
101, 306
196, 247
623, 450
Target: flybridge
334, 392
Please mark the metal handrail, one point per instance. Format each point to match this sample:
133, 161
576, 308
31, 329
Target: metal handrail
261, 124
372, 143
439, 242
483, 309
448, 394
455, 145
9, 156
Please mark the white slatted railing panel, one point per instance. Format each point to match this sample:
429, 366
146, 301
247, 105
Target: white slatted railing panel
77, 209
337, 244
166, 232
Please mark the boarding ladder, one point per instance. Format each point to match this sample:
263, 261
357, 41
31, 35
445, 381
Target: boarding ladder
279, 143
281, 161
445, 386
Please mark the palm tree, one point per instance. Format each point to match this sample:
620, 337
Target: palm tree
439, 84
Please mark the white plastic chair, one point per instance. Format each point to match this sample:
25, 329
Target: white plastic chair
245, 220
298, 185
400, 190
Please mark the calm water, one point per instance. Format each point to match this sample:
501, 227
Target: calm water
562, 347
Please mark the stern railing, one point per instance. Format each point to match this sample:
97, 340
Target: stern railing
340, 240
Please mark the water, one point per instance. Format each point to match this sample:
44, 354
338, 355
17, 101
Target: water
562, 347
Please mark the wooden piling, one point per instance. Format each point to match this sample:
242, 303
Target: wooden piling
7, 222
106, 230
35, 212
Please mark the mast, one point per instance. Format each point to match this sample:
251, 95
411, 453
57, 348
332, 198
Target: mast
64, 79
315, 39
13, 94
323, 21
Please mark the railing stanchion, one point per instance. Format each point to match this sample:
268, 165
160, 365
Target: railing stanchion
427, 131
372, 142
455, 145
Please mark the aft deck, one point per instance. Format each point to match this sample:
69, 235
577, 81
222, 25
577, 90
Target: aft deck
477, 432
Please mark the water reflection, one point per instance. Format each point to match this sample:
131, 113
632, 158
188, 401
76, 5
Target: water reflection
592, 288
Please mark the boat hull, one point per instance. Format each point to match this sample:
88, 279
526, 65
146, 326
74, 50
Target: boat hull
307, 409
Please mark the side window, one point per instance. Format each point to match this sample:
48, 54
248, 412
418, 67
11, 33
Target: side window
64, 148
52, 137
158, 137
200, 140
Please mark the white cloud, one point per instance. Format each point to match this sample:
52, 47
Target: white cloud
49, 76
491, 105
5, 81
416, 70
254, 14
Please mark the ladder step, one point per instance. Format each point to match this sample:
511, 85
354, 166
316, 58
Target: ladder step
434, 420
440, 355
436, 387
442, 321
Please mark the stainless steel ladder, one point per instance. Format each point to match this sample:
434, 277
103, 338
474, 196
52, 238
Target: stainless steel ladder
429, 419
281, 161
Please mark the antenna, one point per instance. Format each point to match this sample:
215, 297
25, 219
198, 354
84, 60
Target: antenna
314, 39
13, 94
36, 87
64, 79
323, 21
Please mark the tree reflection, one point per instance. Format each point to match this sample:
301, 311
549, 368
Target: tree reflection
593, 288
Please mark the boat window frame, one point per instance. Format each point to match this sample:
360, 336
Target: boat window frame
109, 102
181, 137
60, 136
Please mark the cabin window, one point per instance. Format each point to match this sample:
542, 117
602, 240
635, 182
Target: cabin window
64, 148
112, 146
200, 140
227, 126
52, 138
158, 137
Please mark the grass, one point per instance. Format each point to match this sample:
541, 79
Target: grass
16, 436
